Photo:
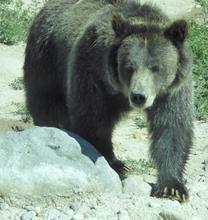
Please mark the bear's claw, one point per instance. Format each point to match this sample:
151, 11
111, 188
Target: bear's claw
173, 189
119, 167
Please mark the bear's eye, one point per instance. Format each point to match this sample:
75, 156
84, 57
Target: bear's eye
154, 68
129, 69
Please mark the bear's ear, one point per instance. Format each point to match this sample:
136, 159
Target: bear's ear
177, 32
119, 24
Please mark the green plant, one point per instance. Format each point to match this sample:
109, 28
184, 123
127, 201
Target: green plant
22, 111
198, 38
204, 4
17, 84
142, 166
13, 23
15, 20
5, 1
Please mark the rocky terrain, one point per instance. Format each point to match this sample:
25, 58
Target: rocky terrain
41, 178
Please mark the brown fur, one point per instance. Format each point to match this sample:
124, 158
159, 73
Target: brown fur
87, 63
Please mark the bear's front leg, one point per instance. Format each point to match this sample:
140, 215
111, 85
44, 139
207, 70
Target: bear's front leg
170, 125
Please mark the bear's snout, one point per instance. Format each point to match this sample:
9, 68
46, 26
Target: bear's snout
138, 99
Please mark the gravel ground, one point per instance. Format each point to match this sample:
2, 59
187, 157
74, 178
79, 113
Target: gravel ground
130, 143
134, 202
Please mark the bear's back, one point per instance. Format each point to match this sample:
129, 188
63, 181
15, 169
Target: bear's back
61, 21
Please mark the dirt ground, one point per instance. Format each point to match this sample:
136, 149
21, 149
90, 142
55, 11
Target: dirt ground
130, 142
11, 62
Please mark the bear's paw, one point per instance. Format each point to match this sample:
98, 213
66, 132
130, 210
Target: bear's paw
172, 189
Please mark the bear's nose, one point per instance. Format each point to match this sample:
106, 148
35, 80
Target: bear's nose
138, 98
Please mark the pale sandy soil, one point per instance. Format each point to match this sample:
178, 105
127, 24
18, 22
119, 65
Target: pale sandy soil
130, 143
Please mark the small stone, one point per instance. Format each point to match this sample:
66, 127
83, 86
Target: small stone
123, 215
197, 218
78, 217
90, 213
202, 195
172, 216
75, 206
154, 204
70, 213
135, 184
37, 210
28, 215
4, 206
29, 207
64, 217
53, 214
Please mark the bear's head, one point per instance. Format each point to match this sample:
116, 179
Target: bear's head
150, 58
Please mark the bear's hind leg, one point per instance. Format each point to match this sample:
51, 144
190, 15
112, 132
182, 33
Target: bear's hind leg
45, 85
48, 109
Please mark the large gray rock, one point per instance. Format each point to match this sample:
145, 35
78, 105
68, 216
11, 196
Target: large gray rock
48, 161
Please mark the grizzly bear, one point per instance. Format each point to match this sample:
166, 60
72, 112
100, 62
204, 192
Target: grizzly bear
89, 62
